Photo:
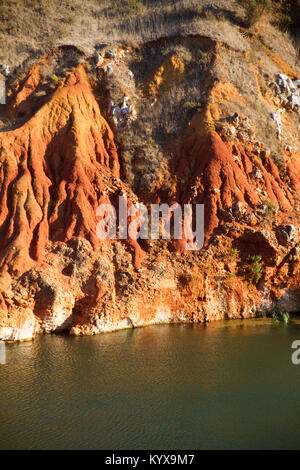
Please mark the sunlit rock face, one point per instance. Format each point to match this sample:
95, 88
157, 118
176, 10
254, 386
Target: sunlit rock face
64, 155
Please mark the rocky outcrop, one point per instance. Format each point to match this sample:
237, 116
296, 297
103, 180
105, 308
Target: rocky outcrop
287, 235
63, 156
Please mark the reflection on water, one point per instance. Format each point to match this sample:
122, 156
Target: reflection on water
226, 385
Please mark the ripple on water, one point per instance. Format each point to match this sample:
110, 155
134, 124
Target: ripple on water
227, 385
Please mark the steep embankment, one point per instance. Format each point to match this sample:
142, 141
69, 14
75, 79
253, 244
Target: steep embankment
52, 172
60, 160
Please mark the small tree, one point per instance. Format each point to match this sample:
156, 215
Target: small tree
255, 9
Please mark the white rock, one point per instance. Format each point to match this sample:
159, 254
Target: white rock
125, 100
277, 118
291, 85
60, 311
108, 69
26, 332
98, 58
116, 111
5, 69
297, 83
282, 80
294, 99
276, 87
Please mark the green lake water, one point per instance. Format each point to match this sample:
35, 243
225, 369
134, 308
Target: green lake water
228, 385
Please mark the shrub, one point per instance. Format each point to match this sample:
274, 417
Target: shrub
192, 104
150, 141
285, 21
281, 316
54, 79
135, 4
255, 9
270, 209
235, 252
254, 271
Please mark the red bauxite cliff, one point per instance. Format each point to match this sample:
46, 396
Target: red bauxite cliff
64, 151
52, 171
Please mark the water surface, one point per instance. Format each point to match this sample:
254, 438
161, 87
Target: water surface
229, 385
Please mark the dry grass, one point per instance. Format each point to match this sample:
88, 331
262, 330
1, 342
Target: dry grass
29, 28
146, 154
251, 76
281, 42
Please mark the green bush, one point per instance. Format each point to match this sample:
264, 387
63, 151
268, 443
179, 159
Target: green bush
280, 316
255, 9
254, 270
54, 79
270, 209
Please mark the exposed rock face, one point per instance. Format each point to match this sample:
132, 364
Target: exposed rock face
286, 234
61, 161
52, 170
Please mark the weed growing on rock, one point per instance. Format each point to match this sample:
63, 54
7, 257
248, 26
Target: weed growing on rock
254, 270
280, 316
234, 254
270, 209
54, 79
192, 104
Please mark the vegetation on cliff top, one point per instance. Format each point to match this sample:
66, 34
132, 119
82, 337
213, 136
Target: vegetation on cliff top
30, 27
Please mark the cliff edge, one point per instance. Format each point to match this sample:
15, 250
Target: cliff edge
200, 117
